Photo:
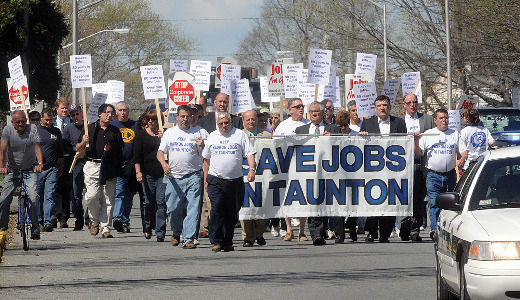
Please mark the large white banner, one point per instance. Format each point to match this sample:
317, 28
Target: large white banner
306, 176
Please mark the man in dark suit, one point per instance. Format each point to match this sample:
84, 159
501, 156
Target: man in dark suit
416, 122
209, 121
381, 123
316, 126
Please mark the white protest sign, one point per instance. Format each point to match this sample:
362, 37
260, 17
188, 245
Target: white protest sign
15, 102
241, 96
466, 102
228, 74
366, 64
218, 72
81, 71
116, 91
101, 87
275, 79
180, 91
411, 84
329, 90
306, 90
264, 91
178, 66
16, 72
337, 101
153, 82
391, 88
319, 183
201, 69
97, 101
319, 66
290, 79
365, 96
454, 119
350, 81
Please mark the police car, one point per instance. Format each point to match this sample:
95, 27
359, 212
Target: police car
477, 242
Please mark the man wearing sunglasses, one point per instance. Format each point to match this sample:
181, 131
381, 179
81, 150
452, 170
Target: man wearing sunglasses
71, 134
416, 122
328, 113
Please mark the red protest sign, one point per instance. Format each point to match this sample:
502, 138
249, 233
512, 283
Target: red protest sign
181, 92
14, 95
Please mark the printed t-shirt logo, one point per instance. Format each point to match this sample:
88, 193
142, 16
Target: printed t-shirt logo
127, 134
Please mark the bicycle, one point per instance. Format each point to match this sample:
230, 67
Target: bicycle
24, 223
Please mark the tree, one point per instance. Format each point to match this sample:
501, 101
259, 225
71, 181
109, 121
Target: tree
118, 57
34, 30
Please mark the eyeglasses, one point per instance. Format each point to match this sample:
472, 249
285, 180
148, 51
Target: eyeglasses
20, 122
343, 125
411, 102
152, 119
298, 106
329, 107
223, 123
74, 114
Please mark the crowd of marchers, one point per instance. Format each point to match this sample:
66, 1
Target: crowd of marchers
191, 175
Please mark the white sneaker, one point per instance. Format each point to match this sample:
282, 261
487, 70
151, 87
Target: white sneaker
295, 222
283, 232
275, 231
195, 241
330, 234
422, 228
395, 233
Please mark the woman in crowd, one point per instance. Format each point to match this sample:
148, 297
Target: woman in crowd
275, 120
150, 173
474, 139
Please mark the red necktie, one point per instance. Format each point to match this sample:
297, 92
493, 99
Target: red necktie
317, 130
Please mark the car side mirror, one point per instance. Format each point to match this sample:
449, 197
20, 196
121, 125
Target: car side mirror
449, 201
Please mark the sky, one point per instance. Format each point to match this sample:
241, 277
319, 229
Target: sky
215, 37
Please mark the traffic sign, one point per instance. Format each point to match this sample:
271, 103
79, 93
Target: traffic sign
181, 92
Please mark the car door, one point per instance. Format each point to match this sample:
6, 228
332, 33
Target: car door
450, 227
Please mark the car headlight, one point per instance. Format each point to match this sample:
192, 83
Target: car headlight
494, 250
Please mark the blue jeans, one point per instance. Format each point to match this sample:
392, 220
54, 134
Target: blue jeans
154, 205
123, 201
11, 181
436, 184
76, 193
181, 192
47, 181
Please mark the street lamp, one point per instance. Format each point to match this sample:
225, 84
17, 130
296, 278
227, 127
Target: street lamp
117, 30
448, 52
383, 6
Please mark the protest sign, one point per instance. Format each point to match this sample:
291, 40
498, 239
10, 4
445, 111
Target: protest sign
391, 88
365, 96
153, 82
290, 79
337, 101
454, 119
241, 96
299, 176
180, 91
329, 90
201, 69
99, 99
101, 87
350, 81
116, 91
218, 71
80, 71
319, 66
306, 91
16, 72
264, 91
178, 66
366, 64
15, 99
275, 79
466, 102
411, 84
228, 73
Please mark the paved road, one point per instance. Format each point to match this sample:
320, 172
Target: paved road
73, 264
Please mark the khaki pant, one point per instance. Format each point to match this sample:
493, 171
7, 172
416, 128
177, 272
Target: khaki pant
204, 215
252, 229
99, 198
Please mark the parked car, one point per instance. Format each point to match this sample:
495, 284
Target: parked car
503, 123
477, 242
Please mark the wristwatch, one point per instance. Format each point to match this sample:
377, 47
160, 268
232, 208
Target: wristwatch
254, 170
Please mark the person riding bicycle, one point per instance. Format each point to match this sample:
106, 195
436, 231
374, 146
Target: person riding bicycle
24, 159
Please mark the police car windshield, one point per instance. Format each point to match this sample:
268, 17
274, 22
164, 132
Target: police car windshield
497, 186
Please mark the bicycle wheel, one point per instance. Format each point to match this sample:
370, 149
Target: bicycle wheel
24, 226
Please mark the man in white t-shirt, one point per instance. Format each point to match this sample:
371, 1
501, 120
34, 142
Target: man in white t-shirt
355, 121
223, 155
441, 148
184, 146
288, 127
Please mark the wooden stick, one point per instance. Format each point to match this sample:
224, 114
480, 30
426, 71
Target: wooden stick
159, 114
84, 103
197, 96
230, 103
24, 107
281, 109
316, 88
